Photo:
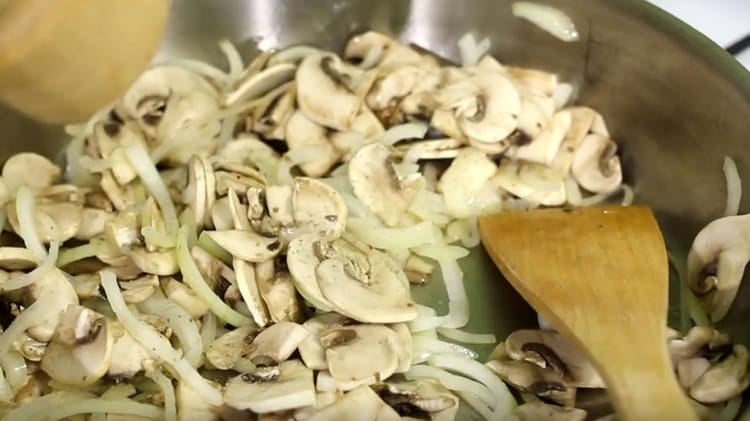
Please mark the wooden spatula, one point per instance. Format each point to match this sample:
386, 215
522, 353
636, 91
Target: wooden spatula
600, 276
62, 60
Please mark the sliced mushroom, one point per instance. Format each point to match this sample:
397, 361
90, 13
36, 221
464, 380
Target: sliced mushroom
280, 296
535, 411
725, 380
276, 343
302, 132
359, 404
271, 389
700, 341
360, 354
379, 296
551, 350
690, 370
581, 120
318, 207
30, 348
464, 179
129, 357
160, 262
184, 296
532, 182
302, 261
544, 147
529, 377
279, 203
81, 349
92, 224
311, 350
421, 399
323, 91
404, 345
250, 292
86, 285
225, 350
392, 85
139, 290
246, 245
258, 84
16, 258
596, 166
29, 169
375, 49
57, 293
375, 182
716, 263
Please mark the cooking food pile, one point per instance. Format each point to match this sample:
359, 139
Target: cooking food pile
222, 244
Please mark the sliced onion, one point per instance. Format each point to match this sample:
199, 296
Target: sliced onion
233, 58
466, 337
157, 238
572, 191
476, 404
426, 320
192, 276
464, 230
150, 177
208, 330
628, 195
6, 391
412, 130
34, 314
40, 272
108, 406
441, 251
547, 18
39, 406
14, 368
181, 324
458, 302
202, 68
424, 347
156, 344
227, 130
502, 397
471, 50
452, 382
167, 390
355, 206
376, 235
26, 209
734, 187
84, 251
294, 157
215, 250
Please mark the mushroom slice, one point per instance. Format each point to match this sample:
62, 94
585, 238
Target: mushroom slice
537, 81
375, 182
271, 389
393, 84
360, 354
690, 370
223, 352
92, 224
221, 215
596, 166
81, 349
716, 263
160, 262
196, 194
533, 182
139, 290
259, 84
279, 204
302, 132
86, 285
361, 403
276, 343
700, 341
581, 120
430, 149
421, 399
445, 122
248, 287
725, 380
16, 258
535, 411
551, 350
318, 207
183, 296
545, 147
55, 290
310, 349
464, 179
495, 110
323, 92
128, 356
30, 169
302, 261
404, 345
246, 245
529, 377
376, 49
280, 297
53, 221
30, 348
379, 296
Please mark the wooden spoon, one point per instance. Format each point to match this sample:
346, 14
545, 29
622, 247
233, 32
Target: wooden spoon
62, 60
600, 276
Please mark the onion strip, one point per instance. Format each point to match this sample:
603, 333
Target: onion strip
43, 405
26, 210
382, 237
412, 130
167, 390
473, 401
181, 324
14, 368
734, 187
233, 58
452, 382
149, 175
466, 337
84, 251
155, 343
192, 276
40, 272
458, 302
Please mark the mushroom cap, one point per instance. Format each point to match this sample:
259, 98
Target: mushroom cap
55, 290
374, 182
380, 50
81, 349
724, 246
323, 93
495, 115
377, 297
16, 258
318, 207
360, 354
277, 342
271, 389
595, 166
301, 132
552, 350
464, 179
246, 245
